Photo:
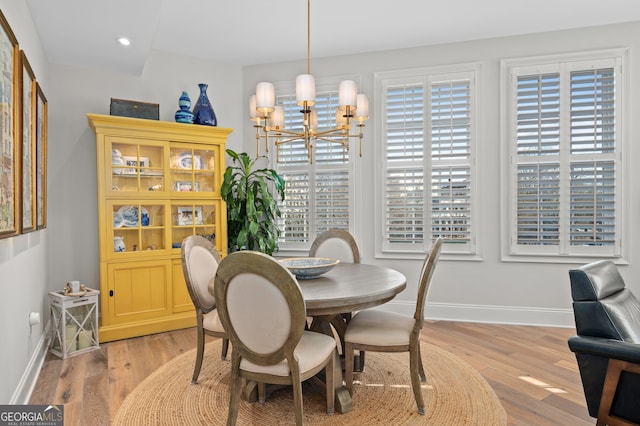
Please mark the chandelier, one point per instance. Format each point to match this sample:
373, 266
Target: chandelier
268, 118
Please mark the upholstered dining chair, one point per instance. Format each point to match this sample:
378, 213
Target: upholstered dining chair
336, 244
380, 331
261, 307
607, 344
200, 260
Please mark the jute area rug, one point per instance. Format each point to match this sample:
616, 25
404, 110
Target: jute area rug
454, 394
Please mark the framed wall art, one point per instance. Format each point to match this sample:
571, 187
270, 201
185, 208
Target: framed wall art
189, 216
187, 186
41, 158
9, 152
27, 130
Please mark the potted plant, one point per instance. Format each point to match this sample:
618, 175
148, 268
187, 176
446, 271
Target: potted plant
252, 210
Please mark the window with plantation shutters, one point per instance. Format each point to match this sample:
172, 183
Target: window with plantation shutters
317, 195
428, 144
564, 120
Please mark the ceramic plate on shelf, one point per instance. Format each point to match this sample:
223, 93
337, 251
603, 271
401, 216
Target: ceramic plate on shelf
186, 161
118, 219
130, 215
305, 268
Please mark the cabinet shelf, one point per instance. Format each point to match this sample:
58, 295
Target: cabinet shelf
170, 175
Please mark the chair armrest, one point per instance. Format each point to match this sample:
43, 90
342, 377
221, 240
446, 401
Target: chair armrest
606, 348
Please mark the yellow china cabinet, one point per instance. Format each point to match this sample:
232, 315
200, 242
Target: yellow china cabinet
158, 182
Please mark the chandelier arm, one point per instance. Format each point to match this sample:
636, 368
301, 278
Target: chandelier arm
335, 132
283, 132
288, 140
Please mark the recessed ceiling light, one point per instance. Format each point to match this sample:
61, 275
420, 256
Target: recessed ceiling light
124, 41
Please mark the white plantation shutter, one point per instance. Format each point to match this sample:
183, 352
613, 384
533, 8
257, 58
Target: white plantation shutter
296, 208
538, 203
428, 134
538, 149
318, 195
332, 200
405, 128
566, 157
451, 133
593, 207
404, 210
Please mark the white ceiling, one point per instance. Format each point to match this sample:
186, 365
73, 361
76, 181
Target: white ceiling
245, 32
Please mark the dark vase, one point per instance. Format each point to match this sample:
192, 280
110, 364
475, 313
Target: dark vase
203, 111
184, 115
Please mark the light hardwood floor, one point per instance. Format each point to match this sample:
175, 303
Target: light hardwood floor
531, 369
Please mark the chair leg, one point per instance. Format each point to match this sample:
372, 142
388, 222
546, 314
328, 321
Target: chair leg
330, 379
414, 363
235, 390
423, 377
200, 354
348, 366
361, 362
297, 399
225, 348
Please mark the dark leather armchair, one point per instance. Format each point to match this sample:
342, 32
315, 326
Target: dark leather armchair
607, 346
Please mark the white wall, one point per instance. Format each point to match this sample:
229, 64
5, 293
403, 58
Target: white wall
23, 259
486, 290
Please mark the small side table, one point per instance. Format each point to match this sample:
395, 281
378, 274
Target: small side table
74, 323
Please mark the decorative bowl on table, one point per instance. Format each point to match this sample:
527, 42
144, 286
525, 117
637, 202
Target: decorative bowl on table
306, 268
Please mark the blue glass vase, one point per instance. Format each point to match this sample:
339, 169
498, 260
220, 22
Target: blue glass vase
184, 115
203, 111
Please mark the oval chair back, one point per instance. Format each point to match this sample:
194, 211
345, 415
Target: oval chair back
336, 244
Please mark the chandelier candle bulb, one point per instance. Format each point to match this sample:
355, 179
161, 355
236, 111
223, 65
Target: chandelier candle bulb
265, 96
252, 108
347, 94
277, 117
362, 108
306, 89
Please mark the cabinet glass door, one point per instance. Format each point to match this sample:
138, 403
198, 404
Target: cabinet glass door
194, 219
138, 227
193, 169
136, 167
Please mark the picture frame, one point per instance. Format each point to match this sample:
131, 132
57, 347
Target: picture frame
133, 164
187, 186
9, 148
27, 143
41, 157
189, 216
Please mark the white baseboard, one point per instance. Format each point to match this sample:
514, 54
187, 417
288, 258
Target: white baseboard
489, 314
22, 394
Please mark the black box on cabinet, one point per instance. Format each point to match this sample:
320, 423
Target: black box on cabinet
135, 109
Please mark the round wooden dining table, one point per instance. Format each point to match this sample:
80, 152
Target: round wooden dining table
351, 287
